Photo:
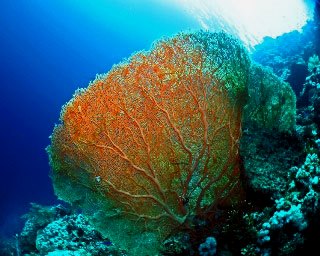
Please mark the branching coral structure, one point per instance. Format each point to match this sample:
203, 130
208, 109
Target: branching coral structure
154, 142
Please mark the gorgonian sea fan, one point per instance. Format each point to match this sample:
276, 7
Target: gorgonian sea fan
154, 142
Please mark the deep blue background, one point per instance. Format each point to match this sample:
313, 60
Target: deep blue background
47, 50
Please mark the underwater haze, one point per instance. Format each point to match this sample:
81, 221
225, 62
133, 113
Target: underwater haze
49, 49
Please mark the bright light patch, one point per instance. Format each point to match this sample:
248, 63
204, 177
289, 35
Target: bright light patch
250, 20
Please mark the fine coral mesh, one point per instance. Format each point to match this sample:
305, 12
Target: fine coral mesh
158, 134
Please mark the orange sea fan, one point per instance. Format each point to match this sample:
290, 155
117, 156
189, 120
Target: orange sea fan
154, 142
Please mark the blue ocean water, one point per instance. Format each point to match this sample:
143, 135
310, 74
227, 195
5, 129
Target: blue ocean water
47, 50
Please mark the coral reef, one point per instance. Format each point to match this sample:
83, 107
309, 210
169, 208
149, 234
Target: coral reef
177, 245
190, 148
308, 114
288, 224
71, 233
288, 53
209, 247
282, 228
150, 150
267, 158
38, 218
58, 230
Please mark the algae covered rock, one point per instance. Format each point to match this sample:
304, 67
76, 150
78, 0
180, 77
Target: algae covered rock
71, 233
271, 102
267, 157
36, 219
57, 230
